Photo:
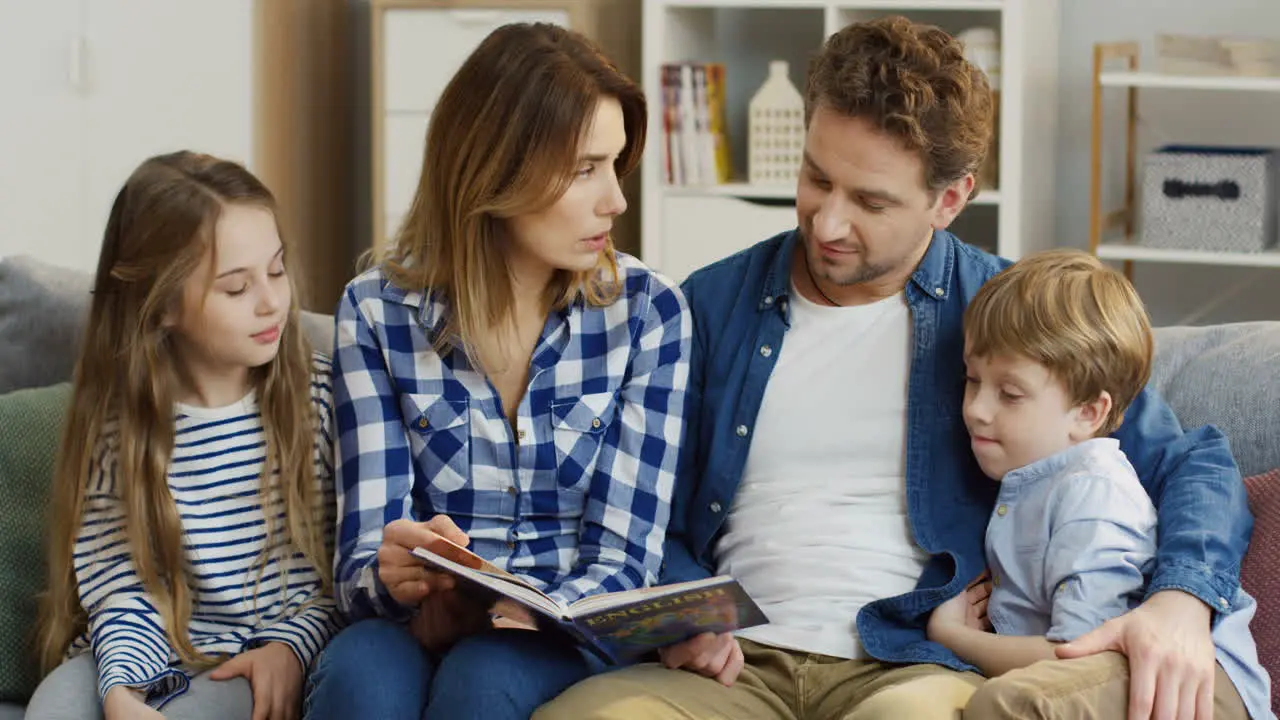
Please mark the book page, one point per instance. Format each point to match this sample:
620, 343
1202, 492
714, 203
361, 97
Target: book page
499, 582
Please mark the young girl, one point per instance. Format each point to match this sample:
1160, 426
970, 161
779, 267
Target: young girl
194, 488
504, 378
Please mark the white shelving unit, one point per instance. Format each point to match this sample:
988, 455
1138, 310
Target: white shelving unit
686, 227
1112, 234
1135, 79
415, 47
1120, 251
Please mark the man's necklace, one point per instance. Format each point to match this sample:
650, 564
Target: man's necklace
814, 281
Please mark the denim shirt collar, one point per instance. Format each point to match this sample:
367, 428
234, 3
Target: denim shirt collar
935, 273
933, 276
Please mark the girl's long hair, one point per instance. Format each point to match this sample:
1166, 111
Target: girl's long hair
122, 409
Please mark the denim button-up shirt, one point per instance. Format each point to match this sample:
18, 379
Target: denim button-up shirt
741, 304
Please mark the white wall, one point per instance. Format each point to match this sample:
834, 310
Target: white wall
1174, 294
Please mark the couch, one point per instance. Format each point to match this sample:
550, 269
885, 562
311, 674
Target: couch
1228, 375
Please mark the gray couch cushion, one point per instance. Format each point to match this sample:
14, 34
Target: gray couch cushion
42, 314
42, 309
1228, 376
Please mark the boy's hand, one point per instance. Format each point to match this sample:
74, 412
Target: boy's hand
979, 595
950, 614
126, 703
968, 609
275, 676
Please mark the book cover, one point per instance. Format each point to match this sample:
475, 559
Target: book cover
658, 620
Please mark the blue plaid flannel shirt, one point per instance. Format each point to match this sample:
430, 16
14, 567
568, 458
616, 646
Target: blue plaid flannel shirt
576, 499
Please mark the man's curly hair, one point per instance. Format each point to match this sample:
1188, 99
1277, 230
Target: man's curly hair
912, 81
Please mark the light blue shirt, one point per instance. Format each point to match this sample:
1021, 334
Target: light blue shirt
1071, 544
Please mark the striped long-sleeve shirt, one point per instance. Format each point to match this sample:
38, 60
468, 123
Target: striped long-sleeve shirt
575, 498
214, 478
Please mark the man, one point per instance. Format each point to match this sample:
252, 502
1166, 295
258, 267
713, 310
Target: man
827, 465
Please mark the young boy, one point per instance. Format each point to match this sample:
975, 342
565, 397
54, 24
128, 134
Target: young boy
1056, 347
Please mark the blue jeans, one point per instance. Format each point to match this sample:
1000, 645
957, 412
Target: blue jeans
376, 669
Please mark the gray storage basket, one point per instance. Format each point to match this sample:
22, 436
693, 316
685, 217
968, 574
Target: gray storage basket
1212, 199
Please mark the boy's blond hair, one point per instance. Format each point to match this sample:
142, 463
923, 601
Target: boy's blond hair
1081, 320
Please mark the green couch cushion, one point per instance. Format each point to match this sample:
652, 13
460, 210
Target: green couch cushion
30, 428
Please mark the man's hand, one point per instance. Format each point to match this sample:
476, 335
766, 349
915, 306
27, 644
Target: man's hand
1171, 656
126, 703
275, 676
715, 656
406, 578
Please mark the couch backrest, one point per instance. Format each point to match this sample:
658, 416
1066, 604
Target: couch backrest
42, 315
1228, 376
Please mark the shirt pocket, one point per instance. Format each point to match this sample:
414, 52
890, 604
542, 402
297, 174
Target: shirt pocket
578, 428
440, 438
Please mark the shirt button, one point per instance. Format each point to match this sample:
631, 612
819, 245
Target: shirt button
1222, 603
595, 423
512, 490
511, 545
766, 351
520, 435
768, 300
742, 431
938, 292
1002, 510
714, 507
422, 422
995, 580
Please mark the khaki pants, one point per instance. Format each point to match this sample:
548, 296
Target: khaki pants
774, 683
779, 684
1090, 687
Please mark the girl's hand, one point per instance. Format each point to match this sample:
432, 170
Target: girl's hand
126, 703
275, 676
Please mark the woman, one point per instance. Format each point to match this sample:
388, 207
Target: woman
505, 379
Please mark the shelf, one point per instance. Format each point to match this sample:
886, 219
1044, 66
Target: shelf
742, 190
1189, 82
748, 4
1124, 251
921, 5
904, 5
776, 192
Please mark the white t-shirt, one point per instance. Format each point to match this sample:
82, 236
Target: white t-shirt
819, 525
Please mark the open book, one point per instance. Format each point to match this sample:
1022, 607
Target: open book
616, 626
